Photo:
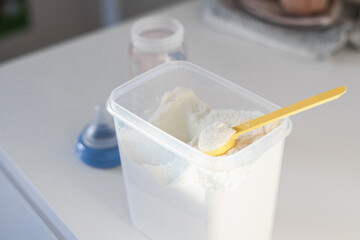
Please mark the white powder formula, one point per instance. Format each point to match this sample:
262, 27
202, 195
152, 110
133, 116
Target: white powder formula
214, 136
172, 198
186, 117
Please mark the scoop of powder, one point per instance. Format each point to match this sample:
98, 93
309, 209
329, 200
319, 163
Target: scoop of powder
214, 136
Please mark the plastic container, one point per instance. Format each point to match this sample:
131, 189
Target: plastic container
155, 41
194, 211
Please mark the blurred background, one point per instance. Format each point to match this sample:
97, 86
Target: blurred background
27, 25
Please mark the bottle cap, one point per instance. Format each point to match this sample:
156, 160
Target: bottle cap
157, 34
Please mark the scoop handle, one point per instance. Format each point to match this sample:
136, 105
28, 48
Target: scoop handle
289, 110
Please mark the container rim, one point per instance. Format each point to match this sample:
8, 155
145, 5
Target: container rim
222, 163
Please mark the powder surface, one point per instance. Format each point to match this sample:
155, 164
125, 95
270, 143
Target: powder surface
182, 114
214, 136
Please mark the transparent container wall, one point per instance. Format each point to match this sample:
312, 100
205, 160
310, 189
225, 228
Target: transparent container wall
144, 99
140, 62
157, 208
172, 199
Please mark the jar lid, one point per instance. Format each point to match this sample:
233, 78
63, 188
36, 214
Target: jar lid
157, 34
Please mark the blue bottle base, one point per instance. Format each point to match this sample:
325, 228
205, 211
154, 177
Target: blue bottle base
99, 158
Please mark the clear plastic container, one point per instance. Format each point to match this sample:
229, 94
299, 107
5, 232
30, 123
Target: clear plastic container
155, 41
194, 211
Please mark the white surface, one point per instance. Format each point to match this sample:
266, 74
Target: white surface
23, 208
46, 99
19, 215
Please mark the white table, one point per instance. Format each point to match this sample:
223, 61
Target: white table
46, 98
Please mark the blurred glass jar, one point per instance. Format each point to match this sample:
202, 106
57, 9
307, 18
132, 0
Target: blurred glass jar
155, 41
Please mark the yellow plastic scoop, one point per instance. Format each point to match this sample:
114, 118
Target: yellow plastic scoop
277, 115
